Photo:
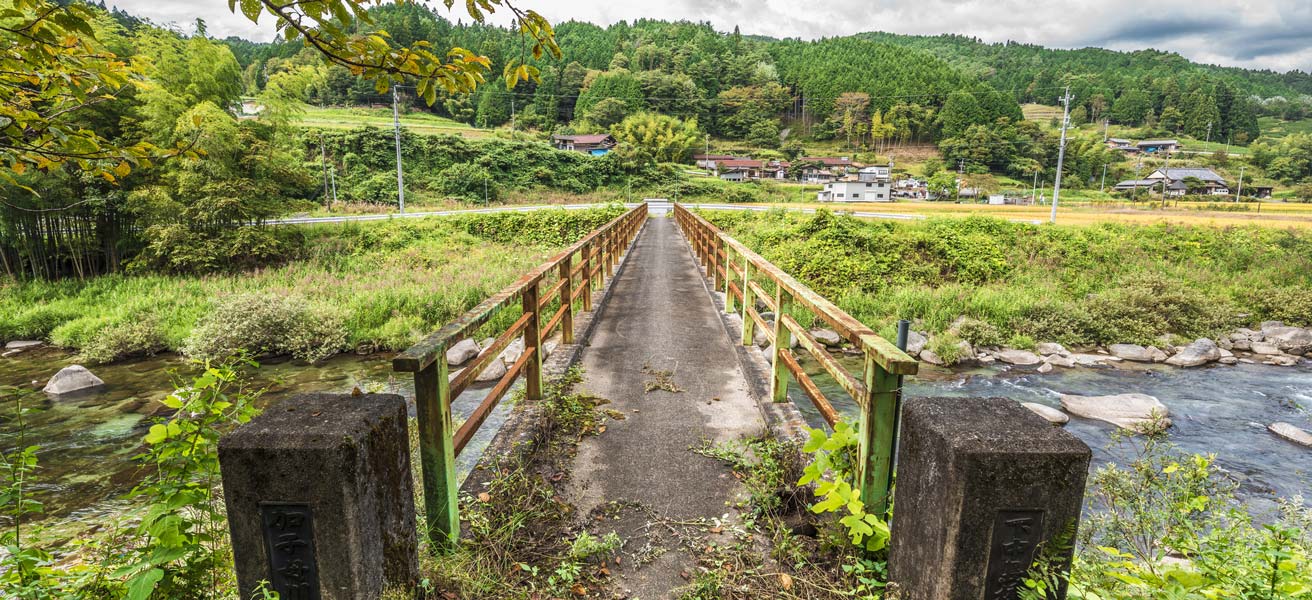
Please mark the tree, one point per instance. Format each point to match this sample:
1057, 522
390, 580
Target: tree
55, 66
943, 185
648, 137
880, 129
764, 134
607, 112
850, 114
959, 112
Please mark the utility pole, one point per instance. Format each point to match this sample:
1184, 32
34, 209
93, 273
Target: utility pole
1034, 196
1166, 174
332, 173
1061, 150
1105, 124
400, 179
512, 113
1240, 191
1102, 186
1209, 132
323, 162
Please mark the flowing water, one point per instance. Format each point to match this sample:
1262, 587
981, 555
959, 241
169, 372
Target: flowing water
87, 443
1220, 409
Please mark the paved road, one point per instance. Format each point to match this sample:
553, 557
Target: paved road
658, 207
660, 326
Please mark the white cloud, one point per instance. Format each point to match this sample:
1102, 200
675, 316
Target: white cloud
1272, 34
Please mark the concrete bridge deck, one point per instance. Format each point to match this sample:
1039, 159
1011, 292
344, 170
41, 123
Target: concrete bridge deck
662, 357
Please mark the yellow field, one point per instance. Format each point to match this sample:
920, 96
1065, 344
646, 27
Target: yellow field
1283, 215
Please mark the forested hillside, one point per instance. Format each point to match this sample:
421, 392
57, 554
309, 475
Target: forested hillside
872, 86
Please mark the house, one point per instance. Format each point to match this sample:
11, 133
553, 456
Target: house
1122, 145
746, 169
739, 169
874, 173
1258, 191
823, 169
851, 189
1131, 185
593, 144
1151, 146
815, 175
1214, 184
707, 161
910, 187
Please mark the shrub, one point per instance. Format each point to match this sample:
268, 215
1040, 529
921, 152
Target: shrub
265, 323
132, 337
1291, 305
1151, 305
979, 333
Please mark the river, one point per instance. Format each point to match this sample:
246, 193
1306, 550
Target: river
87, 443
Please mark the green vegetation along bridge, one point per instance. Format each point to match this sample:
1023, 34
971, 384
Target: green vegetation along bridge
661, 351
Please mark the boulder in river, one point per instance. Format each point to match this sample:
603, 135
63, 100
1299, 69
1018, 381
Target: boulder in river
1294, 340
22, 344
1291, 433
1059, 361
1054, 416
1049, 348
1265, 348
916, 342
827, 337
1200, 352
1045, 367
73, 378
930, 357
1092, 360
461, 353
1136, 353
1135, 412
1017, 357
494, 371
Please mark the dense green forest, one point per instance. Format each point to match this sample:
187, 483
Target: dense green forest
879, 85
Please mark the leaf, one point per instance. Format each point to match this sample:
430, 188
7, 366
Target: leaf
786, 581
252, 9
157, 434
143, 585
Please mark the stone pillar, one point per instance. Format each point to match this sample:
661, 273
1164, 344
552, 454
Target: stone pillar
320, 498
982, 483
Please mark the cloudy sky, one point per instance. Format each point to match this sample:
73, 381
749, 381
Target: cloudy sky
1271, 34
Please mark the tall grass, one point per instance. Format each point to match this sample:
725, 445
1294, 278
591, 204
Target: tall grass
391, 281
1082, 285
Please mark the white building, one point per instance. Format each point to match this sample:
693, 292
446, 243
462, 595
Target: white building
849, 190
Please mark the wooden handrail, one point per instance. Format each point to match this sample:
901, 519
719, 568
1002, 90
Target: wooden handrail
746, 277
439, 441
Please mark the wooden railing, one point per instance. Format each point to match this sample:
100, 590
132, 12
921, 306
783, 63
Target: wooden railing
553, 291
745, 277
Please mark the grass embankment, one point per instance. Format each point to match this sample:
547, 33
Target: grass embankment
1079, 285
379, 285
359, 116
1076, 212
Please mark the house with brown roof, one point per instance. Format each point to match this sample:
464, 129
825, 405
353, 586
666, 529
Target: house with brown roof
597, 144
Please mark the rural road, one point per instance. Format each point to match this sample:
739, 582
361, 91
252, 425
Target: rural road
658, 206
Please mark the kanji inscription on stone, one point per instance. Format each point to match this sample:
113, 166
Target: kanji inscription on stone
289, 540
1016, 535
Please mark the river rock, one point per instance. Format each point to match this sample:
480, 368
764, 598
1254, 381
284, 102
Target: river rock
1127, 411
1241, 345
512, 351
759, 337
1294, 340
1291, 433
1054, 416
1047, 348
1281, 360
72, 378
930, 357
1265, 348
1045, 367
1200, 352
828, 337
461, 353
487, 343
494, 371
22, 344
1060, 361
916, 342
1137, 353
1228, 360
1265, 325
1092, 360
1018, 357
548, 348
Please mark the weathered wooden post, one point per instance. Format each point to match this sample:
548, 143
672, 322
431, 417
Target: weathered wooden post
728, 283
749, 304
779, 381
983, 484
319, 498
533, 341
877, 430
567, 300
585, 275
